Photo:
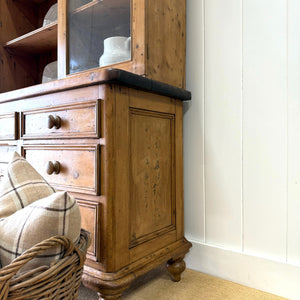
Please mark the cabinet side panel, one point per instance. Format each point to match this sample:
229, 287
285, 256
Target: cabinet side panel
151, 166
179, 169
120, 204
166, 35
107, 187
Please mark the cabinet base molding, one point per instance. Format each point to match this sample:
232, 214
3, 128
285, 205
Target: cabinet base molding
111, 285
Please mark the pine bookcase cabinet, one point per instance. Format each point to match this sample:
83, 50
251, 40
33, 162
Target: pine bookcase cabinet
110, 135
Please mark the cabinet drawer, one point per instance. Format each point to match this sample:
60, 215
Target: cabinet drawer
90, 215
74, 120
3, 166
6, 152
2, 170
71, 168
8, 126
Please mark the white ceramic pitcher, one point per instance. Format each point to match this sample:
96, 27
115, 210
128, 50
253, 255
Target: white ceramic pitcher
116, 49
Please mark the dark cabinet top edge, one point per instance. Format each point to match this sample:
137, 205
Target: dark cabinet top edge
139, 82
96, 77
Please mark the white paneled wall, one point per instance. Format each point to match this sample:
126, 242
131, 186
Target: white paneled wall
223, 126
265, 126
194, 186
242, 141
293, 232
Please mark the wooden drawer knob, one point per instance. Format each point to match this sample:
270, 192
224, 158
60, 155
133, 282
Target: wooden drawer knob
54, 122
53, 167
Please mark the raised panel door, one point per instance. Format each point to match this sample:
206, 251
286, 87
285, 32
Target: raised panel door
152, 200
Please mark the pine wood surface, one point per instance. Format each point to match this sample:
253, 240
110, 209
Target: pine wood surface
157, 39
118, 150
40, 40
111, 138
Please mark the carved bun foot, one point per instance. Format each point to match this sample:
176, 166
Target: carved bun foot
108, 289
109, 297
175, 268
112, 293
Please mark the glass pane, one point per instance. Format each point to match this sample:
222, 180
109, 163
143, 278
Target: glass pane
98, 29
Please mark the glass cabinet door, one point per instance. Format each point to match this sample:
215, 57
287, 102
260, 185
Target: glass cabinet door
98, 33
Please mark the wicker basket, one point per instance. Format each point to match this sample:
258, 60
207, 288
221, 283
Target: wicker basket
60, 280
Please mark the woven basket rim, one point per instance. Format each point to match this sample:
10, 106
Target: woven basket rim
59, 280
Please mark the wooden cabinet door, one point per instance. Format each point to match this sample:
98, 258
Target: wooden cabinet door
148, 197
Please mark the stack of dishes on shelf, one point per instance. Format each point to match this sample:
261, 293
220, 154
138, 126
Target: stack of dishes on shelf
50, 72
51, 15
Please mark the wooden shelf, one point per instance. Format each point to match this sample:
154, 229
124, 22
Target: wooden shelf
104, 7
37, 1
42, 40
30, 2
86, 6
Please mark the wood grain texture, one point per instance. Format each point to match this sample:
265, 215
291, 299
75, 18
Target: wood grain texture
6, 151
136, 127
111, 138
152, 175
9, 126
122, 182
178, 168
138, 35
38, 41
77, 120
78, 166
157, 32
108, 175
165, 36
62, 39
90, 215
21, 22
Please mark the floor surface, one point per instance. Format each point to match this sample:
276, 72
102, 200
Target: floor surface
193, 286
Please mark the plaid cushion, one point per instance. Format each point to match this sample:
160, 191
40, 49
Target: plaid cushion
21, 186
57, 214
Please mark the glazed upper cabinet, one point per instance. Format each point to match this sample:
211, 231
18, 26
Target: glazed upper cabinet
42, 40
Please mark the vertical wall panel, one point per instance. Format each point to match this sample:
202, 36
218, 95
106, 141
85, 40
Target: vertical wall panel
223, 150
262, 193
193, 125
265, 126
293, 253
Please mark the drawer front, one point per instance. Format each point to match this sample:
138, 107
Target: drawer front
6, 152
90, 221
8, 126
3, 167
71, 168
74, 120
